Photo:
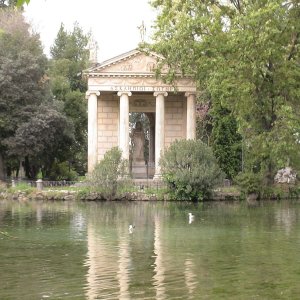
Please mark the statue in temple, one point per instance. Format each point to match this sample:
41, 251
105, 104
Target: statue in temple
138, 143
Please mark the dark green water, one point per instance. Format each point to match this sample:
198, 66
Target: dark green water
85, 251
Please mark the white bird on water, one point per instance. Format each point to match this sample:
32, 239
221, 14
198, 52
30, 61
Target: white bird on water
191, 218
130, 228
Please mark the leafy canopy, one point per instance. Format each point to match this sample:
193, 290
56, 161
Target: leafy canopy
69, 57
33, 127
245, 54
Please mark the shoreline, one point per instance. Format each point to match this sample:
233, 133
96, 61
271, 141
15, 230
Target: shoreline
69, 195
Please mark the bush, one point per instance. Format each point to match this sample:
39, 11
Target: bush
22, 187
190, 170
62, 171
249, 183
110, 176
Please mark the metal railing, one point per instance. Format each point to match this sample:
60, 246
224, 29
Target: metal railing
149, 184
43, 183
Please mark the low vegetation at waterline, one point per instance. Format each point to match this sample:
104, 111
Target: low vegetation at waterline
82, 192
110, 176
190, 170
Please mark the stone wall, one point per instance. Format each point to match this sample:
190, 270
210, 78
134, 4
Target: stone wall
108, 124
175, 119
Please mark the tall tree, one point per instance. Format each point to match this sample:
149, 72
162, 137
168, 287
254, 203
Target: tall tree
30, 121
246, 55
22, 70
226, 142
69, 57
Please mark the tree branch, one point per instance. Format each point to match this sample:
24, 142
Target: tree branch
295, 41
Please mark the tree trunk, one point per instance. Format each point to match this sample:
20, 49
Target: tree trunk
2, 171
27, 167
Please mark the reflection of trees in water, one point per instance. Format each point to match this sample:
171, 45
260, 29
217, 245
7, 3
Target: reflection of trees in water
159, 270
286, 218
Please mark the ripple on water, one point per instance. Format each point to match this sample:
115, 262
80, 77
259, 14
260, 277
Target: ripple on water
85, 251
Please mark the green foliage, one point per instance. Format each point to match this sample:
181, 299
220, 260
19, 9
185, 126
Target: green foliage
69, 57
21, 187
39, 175
190, 170
47, 134
62, 171
110, 175
19, 3
22, 70
250, 183
245, 54
32, 126
226, 142
160, 193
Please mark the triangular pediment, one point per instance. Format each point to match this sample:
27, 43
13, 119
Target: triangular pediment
132, 62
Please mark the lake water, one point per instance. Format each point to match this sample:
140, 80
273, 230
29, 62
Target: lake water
64, 250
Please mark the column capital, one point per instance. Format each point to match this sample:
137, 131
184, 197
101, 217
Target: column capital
187, 94
90, 92
124, 92
155, 94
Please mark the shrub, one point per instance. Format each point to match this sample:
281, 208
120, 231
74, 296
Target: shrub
249, 183
110, 175
62, 171
190, 170
22, 187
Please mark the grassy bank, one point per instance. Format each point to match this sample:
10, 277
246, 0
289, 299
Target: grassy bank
23, 192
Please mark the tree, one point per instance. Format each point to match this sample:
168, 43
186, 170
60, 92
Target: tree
22, 74
47, 135
190, 170
226, 142
245, 54
69, 57
33, 127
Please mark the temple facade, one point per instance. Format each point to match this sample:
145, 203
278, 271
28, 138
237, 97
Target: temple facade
127, 84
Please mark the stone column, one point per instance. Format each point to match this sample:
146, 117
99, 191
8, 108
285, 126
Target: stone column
124, 123
191, 116
159, 130
92, 129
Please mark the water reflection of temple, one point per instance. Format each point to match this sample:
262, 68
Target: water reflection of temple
135, 266
112, 264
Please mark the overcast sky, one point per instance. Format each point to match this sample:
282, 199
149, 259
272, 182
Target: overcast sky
113, 22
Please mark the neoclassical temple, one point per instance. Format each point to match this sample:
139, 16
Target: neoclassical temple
126, 84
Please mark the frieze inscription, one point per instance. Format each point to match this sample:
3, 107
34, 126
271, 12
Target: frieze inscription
142, 88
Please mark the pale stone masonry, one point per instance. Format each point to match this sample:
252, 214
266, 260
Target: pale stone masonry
125, 84
108, 125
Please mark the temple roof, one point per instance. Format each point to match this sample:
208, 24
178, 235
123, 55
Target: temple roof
131, 62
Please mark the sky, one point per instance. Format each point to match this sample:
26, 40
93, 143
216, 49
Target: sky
113, 23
